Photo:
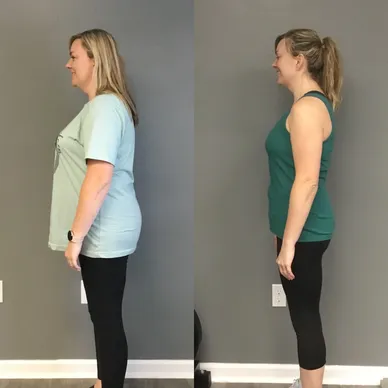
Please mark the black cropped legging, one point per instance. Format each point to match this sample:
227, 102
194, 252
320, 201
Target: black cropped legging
104, 281
303, 299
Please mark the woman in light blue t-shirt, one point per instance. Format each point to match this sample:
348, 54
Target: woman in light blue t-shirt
95, 216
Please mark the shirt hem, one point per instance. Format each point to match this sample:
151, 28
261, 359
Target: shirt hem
306, 236
95, 254
107, 255
56, 247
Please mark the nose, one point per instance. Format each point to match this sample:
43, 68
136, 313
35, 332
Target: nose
274, 64
68, 66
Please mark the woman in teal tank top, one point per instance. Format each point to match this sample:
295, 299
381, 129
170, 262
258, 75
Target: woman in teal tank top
299, 149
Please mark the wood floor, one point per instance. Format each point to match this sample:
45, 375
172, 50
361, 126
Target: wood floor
75, 383
253, 385
140, 383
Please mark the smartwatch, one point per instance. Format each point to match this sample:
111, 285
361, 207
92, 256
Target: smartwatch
72, 238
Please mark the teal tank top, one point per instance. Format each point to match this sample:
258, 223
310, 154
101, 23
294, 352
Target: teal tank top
320, 222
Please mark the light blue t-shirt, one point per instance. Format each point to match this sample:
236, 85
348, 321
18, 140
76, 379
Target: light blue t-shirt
103, 130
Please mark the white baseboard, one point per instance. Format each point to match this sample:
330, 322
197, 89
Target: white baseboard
85, 369
286, 373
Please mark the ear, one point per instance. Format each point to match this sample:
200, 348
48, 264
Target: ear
300, 61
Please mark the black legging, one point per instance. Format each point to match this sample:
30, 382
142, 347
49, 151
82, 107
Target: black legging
303, 299
104, 282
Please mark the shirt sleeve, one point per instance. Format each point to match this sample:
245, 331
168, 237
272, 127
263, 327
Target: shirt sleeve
102, 130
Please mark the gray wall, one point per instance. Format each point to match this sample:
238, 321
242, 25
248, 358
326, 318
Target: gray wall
237, 102
42, 317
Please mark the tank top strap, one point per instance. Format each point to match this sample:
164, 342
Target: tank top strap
323, 98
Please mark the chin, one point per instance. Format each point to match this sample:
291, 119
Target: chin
281, 81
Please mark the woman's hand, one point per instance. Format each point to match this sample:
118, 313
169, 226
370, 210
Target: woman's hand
72, 252
284, 261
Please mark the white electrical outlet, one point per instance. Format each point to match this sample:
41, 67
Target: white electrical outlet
1, 291
83, 294
278, 296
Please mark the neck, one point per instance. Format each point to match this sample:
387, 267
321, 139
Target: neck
303, 86
91, 93
90, 90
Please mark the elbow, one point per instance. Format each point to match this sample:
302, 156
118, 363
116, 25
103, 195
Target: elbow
309, 184
105, 181
101, 180
101, 189
99, 184
311, 189
310, 181
104, 185
313, 184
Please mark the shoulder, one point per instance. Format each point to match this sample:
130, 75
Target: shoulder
308, 112
107, 110
106, 103
309, 105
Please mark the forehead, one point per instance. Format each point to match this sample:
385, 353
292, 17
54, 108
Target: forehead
281, 47
76, 47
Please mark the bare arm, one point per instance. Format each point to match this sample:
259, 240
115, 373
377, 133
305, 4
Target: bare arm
306, 130
93, 191
275, 243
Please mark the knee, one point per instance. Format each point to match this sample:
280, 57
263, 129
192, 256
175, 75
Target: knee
307, 323
107, 320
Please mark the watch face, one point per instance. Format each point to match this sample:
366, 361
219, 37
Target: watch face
69, 235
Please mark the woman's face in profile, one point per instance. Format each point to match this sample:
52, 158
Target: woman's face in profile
80, 66
284, 64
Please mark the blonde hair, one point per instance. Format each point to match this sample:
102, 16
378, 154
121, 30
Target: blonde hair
102, 48
323, 59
